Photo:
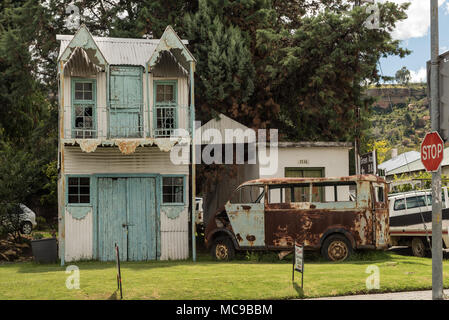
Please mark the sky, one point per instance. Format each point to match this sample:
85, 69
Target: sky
414, 33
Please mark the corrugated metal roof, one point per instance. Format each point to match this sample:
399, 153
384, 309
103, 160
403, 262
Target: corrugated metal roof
399, 161
417, 165
120, 51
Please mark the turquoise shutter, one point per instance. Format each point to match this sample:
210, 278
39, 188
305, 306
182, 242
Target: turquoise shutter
126, 102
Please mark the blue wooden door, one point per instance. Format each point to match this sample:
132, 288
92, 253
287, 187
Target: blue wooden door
127, 216
112, 216
126, 102
142, 221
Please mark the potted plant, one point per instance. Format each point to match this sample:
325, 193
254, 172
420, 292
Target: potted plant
45, 250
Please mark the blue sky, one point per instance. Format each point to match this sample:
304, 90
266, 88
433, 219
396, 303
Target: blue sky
414, 33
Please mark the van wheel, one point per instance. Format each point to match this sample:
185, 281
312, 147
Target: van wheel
336, 248
418, 247
223, 249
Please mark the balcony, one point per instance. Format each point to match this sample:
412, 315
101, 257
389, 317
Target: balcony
124, 122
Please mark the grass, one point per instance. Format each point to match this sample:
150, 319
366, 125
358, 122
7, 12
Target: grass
254, 276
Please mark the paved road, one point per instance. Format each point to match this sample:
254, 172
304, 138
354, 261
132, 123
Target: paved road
413, 295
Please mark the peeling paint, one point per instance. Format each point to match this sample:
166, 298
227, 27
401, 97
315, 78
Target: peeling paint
166, 144
83, 39
88, 145
79, 213
172, 43
172, 212
127, 146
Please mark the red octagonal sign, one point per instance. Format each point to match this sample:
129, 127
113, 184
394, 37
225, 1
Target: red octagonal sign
432, 151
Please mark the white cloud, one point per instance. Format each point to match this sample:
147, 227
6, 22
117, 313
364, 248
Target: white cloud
418, 22
418, 76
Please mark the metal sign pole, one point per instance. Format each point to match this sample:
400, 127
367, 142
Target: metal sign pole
119, 275
437, 246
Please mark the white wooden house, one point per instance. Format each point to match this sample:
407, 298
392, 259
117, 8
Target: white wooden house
120, 103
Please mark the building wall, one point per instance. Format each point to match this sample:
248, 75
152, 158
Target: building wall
111, 160
334, 160
79, 223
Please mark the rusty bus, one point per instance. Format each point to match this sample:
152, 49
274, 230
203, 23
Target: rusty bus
331, 215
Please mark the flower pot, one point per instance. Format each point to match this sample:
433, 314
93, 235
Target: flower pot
45, 250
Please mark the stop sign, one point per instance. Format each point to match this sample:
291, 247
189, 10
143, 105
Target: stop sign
432, 151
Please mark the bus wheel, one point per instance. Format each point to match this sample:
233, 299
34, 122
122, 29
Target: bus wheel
336, 248
223, 249
418, 247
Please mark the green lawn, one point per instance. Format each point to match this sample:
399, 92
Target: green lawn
206, 279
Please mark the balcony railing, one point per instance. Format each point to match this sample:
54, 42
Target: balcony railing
126, 122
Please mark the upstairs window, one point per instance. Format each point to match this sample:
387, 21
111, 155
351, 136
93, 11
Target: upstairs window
83, 125
165, 108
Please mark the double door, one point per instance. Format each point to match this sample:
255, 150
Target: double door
127, 217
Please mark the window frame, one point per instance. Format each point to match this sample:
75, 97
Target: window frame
83, 102
183, 190
156, 105
260, 197
83, 204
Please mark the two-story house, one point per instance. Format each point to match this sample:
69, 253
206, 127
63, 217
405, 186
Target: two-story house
120, 103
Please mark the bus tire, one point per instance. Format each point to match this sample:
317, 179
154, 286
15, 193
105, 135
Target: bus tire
336, 247
223, 249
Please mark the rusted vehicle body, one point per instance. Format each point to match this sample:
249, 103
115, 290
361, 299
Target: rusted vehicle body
333, 215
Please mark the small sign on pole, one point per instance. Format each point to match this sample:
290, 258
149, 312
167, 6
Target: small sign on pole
119, 275
298, 262
368, 163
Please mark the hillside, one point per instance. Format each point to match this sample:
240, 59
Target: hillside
400, 116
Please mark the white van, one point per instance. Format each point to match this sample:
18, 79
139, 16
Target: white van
411, 219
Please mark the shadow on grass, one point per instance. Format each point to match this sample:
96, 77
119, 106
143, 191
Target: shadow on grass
299, 290
204, 260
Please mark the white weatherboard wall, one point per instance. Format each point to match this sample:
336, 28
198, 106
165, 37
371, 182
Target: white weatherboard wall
78, 232
111, 160
175, 235
334, 160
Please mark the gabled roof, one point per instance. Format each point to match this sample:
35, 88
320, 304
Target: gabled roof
222, 123
119, 51
84, 40
171, 42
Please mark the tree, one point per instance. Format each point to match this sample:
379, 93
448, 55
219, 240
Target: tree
382, 147
403, 76
318, 71
28, 119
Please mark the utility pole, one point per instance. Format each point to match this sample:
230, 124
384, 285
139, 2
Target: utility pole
437, 245
357, 119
